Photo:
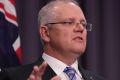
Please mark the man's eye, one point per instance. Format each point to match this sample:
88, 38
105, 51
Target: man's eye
68, 23
84, 24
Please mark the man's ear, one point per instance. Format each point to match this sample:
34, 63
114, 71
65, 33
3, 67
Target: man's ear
44, 33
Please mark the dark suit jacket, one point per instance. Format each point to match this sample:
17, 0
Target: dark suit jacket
22, 73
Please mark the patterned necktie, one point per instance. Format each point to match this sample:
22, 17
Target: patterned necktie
70, 72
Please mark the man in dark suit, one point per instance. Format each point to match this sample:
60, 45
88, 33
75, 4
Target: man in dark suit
63, 30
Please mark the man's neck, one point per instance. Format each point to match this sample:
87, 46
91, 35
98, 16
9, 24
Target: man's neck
66, 58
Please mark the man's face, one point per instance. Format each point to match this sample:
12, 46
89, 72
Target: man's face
66, 36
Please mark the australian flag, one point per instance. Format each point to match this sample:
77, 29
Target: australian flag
10, 54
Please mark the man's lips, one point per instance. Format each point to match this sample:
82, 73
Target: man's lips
78, 38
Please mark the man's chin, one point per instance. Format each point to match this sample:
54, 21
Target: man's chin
79, 52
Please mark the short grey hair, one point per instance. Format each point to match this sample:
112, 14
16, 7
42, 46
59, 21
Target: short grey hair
47, 13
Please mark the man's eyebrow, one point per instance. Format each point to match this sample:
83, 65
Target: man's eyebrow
73, 19
69, 19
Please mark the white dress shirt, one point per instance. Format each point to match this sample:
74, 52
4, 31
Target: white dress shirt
58, 67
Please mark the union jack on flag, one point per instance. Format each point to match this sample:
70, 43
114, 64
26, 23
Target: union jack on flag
10, 53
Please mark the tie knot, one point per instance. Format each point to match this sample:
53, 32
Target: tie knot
70, 72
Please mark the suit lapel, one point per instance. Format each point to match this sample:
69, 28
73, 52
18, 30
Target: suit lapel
49, 73
85, 74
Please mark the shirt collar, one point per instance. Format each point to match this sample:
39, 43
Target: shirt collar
75, 66
57, 65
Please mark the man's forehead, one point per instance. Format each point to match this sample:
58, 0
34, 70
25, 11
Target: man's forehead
62, 7
68, 12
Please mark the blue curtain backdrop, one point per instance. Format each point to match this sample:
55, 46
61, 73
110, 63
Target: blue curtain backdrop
103, 48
